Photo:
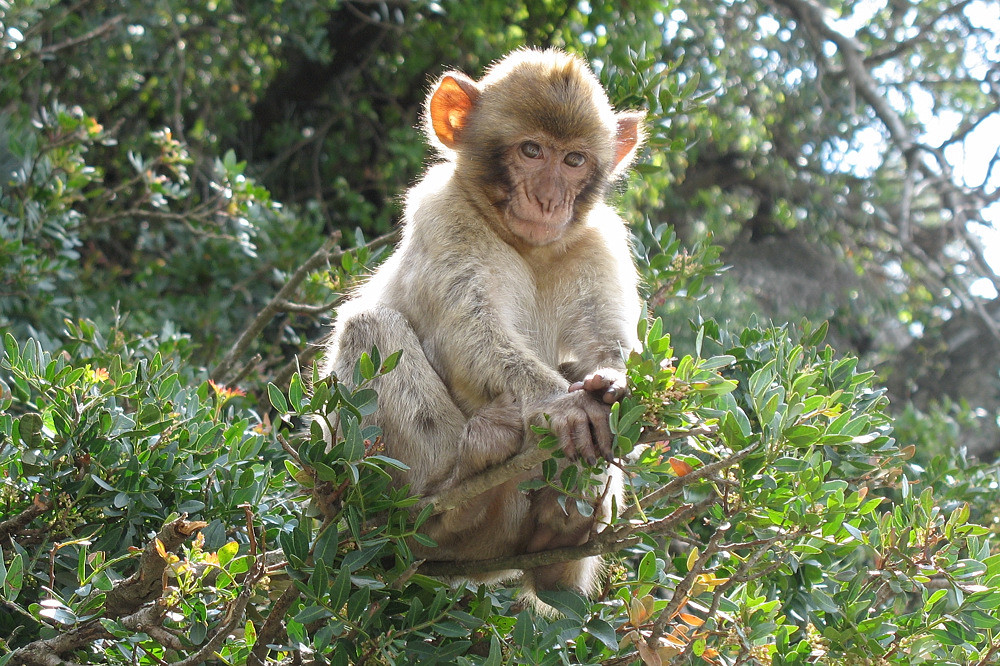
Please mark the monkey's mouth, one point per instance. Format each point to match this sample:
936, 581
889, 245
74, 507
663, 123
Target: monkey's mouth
537, 231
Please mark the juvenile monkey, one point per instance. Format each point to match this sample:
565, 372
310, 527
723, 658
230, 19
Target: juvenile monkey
512, 296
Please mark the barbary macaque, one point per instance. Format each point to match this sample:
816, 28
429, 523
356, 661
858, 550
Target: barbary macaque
513, 297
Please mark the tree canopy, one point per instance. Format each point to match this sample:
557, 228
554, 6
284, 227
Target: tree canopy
188, 191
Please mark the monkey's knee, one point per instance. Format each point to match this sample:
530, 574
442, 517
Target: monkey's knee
359, 330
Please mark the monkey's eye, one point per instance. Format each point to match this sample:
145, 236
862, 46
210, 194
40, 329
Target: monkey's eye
531, 150
575, 159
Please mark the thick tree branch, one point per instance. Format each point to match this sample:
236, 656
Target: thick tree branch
146, 583
524, 462
46, 652
273, 626
610, 540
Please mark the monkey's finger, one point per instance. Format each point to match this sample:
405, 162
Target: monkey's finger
582, 440
603, 438
596, 382
563, 433
575, 386
606, 385
614, 394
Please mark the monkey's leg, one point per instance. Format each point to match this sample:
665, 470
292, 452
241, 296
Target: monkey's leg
555, 528
423, 428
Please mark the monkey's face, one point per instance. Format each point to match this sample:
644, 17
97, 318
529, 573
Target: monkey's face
536, 141
545, 181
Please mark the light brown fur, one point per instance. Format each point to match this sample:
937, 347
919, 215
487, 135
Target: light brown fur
505, 307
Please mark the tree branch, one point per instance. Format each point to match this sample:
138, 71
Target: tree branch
526, 461
87, 36
485, 480
610, 540
675, 485
903, 46
45, 652
273, 624
682, 589
323, 256
146, 583
12, 525
813, 16
320, 257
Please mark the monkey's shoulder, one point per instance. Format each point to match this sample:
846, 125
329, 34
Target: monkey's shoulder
434, 191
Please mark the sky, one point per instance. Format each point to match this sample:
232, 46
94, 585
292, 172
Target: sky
969, 159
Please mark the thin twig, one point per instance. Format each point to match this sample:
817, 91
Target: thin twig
12, 525
320, 257
87, 36
302, 308
273, 624
323, 256
675, 485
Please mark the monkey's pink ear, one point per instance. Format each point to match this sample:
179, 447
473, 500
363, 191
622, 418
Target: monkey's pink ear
452, 101
629, 136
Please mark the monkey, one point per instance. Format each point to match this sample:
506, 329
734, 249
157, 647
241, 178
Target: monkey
513, 297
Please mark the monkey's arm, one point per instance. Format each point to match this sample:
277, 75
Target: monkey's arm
599, 333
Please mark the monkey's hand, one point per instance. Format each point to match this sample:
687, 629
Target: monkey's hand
607, 385
581, 424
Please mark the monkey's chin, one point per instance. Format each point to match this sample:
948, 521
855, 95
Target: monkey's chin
536, 232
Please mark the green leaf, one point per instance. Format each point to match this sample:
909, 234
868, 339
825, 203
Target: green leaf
30, 426
569, 603
367, 367
296, 393
495, 657
647, 567
389, 364
14, 578
603, 632
354, 444
277, 398
524, 629
327, 546
424, 540
815, 338
311, 614
228, 552
356, 559
717, 362
761, 380
340, 589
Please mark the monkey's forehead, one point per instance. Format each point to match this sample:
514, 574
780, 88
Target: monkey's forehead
561, 103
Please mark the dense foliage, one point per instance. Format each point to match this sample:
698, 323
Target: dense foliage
188, 189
